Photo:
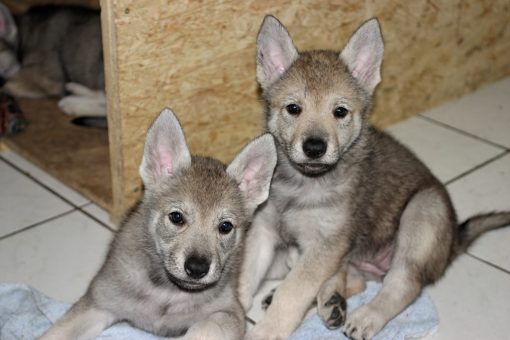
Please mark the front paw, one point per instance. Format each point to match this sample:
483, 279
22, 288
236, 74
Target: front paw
204, 331
266, 301
261, 332
363, 323
70, 105
332, 310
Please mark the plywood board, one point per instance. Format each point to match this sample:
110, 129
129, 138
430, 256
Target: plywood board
198, 58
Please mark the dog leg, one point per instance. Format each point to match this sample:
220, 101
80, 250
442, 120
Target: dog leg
259, 253
416, 257
83, 106
297, 292
218, 326
284, 260
82, 321
24, 85
331, 300
40, 76
398, 291
83, 101
82, 91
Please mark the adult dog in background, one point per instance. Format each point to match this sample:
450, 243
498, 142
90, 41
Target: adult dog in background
173, 266
354, 202
51, 51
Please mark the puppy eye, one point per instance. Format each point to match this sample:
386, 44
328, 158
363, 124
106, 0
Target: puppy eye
225, 227
293, 109
340, 112
176, 218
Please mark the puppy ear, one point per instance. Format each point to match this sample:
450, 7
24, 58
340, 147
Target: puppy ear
8, 29
363, 54
253, 169
275, 51
165, 151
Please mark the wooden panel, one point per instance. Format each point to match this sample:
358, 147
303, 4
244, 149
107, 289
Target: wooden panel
198, 58
121, 200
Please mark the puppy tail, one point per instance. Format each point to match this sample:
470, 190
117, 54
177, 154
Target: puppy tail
475, 226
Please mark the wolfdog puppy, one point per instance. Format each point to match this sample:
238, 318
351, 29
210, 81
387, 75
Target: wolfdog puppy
172, 268
351, 200
51, 50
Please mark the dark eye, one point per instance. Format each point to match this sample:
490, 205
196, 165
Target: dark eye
225, 227
176, 218
293, 109
340, 112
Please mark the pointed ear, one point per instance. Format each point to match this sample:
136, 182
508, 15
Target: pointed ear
363, 54
253, 169
8, 29
275, 51
165, 151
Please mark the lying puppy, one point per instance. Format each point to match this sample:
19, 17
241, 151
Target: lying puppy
354, 202
172, 268
53, 50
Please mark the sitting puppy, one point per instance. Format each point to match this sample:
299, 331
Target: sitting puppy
348, 201
172, 268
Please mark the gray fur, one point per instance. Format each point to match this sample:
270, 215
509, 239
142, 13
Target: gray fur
368, 208
144, 279
54, 46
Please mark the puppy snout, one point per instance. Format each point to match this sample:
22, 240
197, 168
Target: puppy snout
314, 147
196, 266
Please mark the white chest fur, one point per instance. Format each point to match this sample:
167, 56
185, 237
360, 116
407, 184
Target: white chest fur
311, 208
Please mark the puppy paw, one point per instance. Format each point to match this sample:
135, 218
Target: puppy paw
204, 330
263, 333
70, 105
86, 106
363, 323
332, 310
266, 301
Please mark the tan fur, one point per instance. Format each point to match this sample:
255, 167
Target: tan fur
355, 203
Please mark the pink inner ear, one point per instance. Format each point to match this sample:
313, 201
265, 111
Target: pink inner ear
163, 163
277, 67
362, 66
276, 59
249, 177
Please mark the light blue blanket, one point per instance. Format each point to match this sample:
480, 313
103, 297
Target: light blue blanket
416, 321
26, 313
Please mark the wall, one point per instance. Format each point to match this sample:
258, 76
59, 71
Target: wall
198, 58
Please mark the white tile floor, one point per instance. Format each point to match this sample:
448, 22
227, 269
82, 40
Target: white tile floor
54, 239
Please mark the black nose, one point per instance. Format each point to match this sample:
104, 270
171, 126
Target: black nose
196, 266
314, 147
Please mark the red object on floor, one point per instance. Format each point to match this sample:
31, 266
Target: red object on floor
12, 120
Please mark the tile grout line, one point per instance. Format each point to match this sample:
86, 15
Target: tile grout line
97, 220
73, 205
477, 167
33, 225
495, 266
465, 133
37, 181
